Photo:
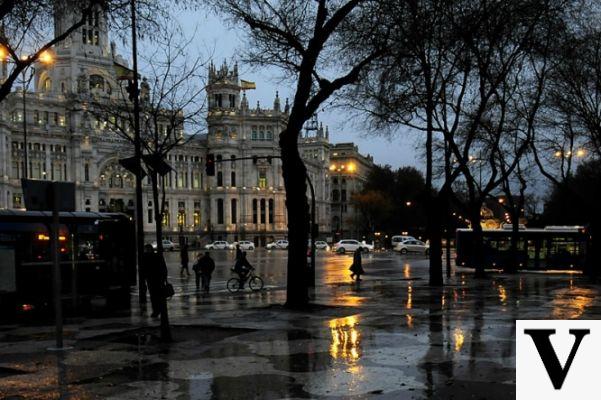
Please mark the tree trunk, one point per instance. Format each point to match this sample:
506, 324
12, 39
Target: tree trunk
158, 223
294, 173
515, 234
435, 223
477, 239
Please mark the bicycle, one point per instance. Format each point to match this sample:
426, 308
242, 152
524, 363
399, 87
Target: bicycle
255, 283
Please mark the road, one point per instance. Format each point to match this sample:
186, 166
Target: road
271, 266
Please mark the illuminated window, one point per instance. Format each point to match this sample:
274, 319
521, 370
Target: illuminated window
262, 179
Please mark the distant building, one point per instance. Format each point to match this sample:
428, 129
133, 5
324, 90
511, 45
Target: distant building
349, 170
245, 200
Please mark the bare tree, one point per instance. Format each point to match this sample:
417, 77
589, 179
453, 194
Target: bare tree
27, 25
455, 76
172, 108
307, 40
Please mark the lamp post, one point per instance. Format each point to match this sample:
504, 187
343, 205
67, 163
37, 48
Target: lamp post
46, 59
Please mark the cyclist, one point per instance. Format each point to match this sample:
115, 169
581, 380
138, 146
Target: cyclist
242, 268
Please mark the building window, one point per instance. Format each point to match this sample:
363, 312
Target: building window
262, 179
262, 211
255, 209
232, 100
86, 172
343, 195
96, 82
181, 218
234, 211
150, 215
269, 134
220, 211
233, 179
218, 100
47, 85
219, 179
271, 211
233, 158
196, 218
261, 133
335, 195
17, 200
254, 133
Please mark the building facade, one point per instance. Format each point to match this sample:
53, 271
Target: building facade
66, 142
349, 170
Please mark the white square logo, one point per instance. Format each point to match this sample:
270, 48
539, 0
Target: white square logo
557, 359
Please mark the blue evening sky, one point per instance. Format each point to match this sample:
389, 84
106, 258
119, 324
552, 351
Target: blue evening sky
215, 36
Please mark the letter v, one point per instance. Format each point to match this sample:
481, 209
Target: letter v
549, 357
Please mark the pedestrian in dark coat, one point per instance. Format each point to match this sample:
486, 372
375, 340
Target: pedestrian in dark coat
357, 267
156, 276
203, 269
184, 259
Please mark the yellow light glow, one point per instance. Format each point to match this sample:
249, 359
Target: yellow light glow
351, 167
459, 337
346, 338
580, 153
3, 53
332, 167
46, 57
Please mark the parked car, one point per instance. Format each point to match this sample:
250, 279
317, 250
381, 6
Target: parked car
246, 245
278, 244
399, 239
350, 245
168, 245
218, 245
412, 246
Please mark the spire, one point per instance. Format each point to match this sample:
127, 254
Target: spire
276, 102
287, 106
327, 133
144, 91
244, 102
258, 107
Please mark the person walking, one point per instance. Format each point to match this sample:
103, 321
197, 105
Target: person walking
156, 277
203, 269
184, 258
357, 267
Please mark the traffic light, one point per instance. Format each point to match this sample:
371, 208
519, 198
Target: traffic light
210, 165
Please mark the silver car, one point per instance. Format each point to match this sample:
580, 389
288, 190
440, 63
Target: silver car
412, 246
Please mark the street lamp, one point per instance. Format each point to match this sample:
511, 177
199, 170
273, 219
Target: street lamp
45, 58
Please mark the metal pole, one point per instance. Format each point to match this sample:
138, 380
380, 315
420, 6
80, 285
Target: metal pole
56, 272
313, 233
25, 160
73, 274
138, 156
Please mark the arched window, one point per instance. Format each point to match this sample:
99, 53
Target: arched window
234, 213
255, 209
335, 195
219, 179
47, 85
220, 211
271, 211
96, 82
262, 211
233, 179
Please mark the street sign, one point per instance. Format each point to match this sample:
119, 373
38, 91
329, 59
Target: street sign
38, 195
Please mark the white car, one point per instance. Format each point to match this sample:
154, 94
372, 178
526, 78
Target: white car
412, 246
168, 245
246, 245
218, 245
278, 244
399, 239
350, 245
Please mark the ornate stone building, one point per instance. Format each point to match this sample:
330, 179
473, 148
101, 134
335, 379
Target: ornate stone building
349, 170
245, 199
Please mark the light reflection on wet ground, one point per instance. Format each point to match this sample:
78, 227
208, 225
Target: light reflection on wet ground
390, 337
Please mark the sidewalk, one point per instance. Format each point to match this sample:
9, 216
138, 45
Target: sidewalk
391, 338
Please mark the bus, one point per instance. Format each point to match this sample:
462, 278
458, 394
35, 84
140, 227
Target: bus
96, 253
550, 248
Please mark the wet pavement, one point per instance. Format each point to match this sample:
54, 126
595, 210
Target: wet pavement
391, 337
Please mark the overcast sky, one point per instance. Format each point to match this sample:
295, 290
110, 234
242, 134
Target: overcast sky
215, 35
